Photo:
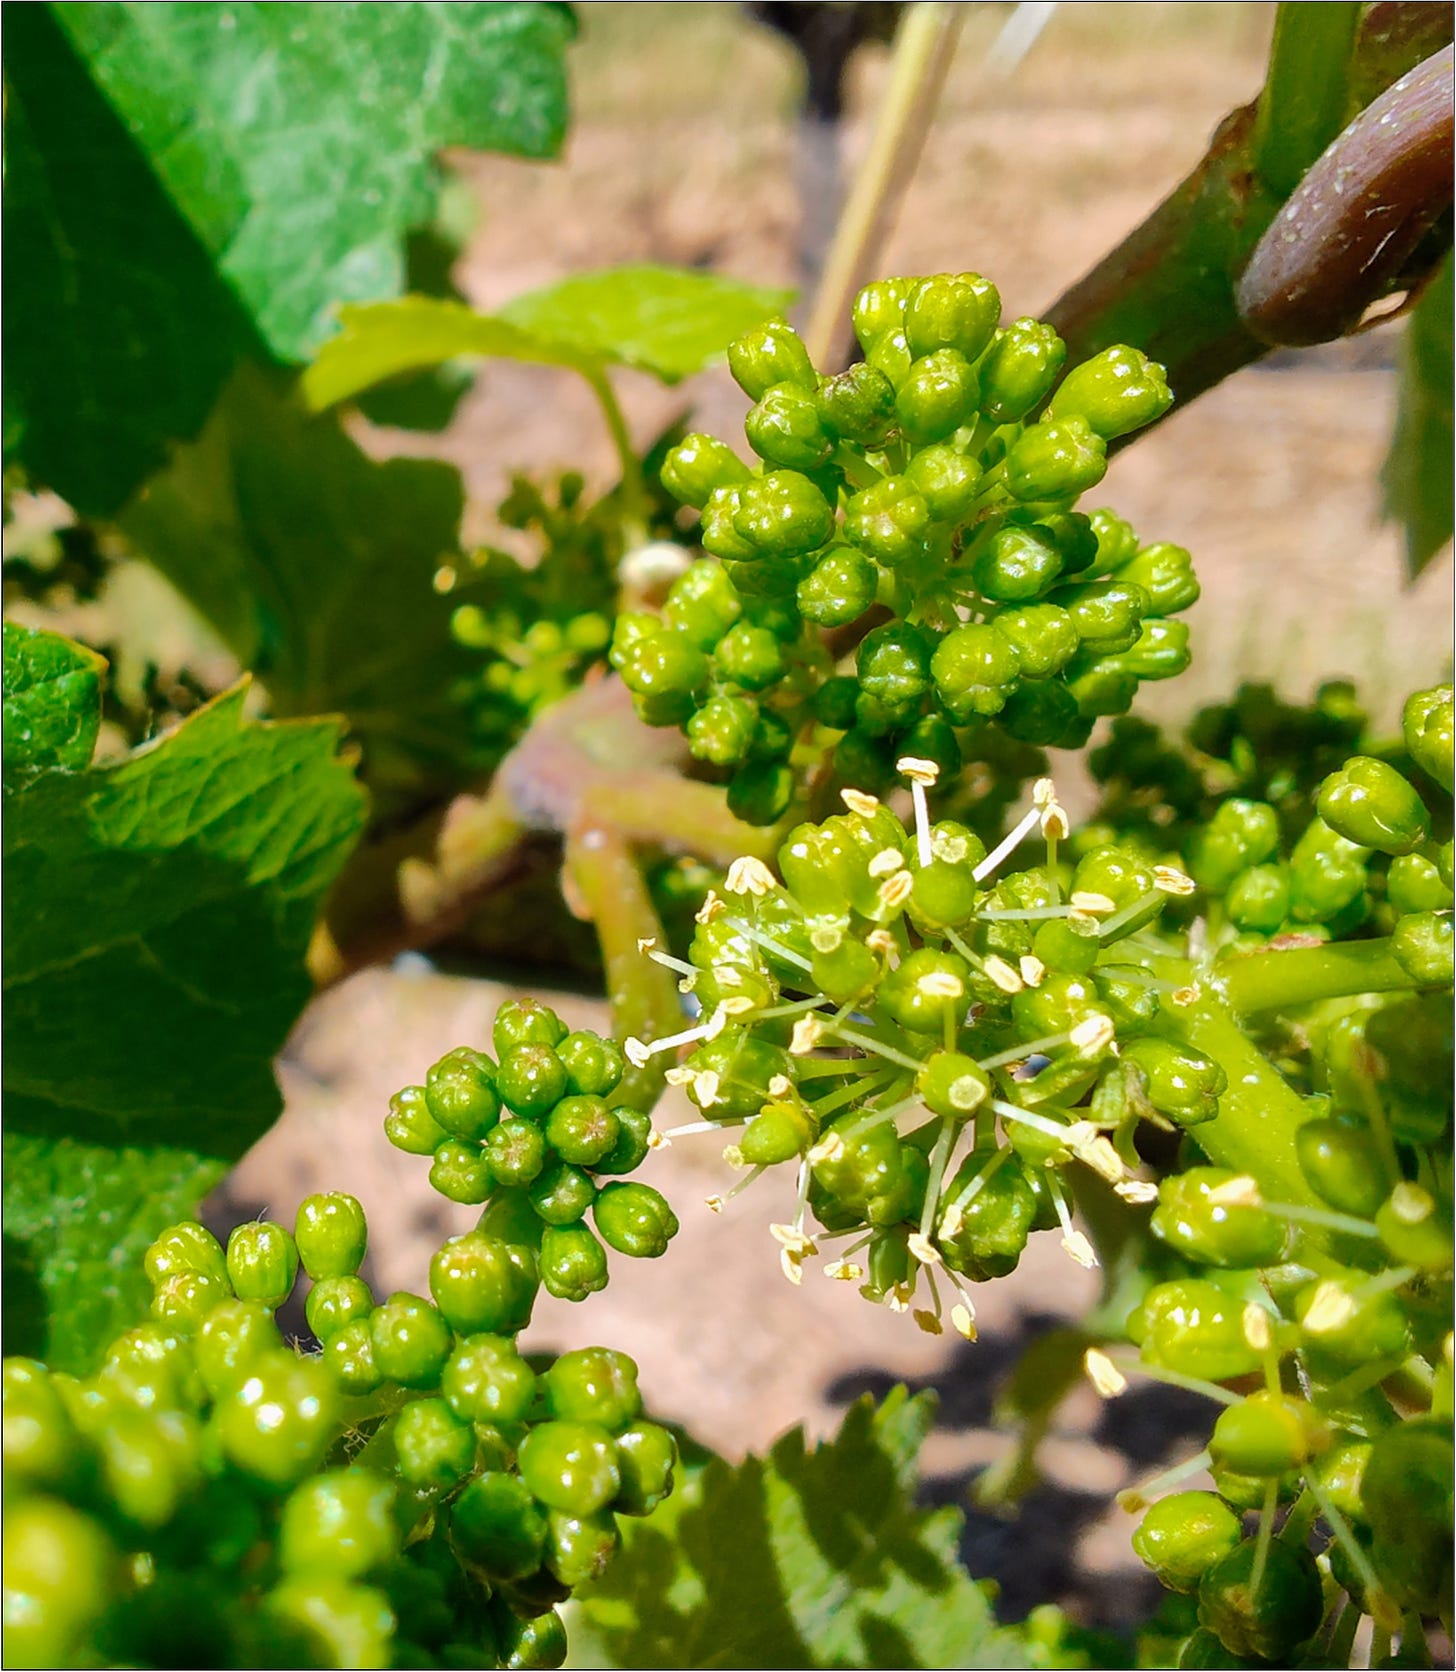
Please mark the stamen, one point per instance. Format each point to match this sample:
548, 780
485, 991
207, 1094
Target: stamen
667, 960
748, 875
1001, 974
1139, 1192
858, 802
1074, 1243
1032, 970
710, 907
706, 1085
767, 942
886, 862
1173, 881
867, 1042
1300, 1215
922, 774
1239, 1192
894, 891
1103, 1374
1009, 844
808, 1031
1093, 1034
881, 942
1254, 1321
1135, 1499
845, 1271
639, 1053
693, 1127
923, 1249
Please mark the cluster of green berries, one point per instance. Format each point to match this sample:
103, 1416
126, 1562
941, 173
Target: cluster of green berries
534, 1133
541, 626
934, 1048
921, 505
416, 1493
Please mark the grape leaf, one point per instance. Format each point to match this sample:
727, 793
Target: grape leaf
668, 321
811, 1558
52, 700
1417, 474
155, 920
190, 184
315, 565
658, 319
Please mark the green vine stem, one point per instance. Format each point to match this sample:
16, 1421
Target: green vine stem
1303, 104
1303, 975
634, 492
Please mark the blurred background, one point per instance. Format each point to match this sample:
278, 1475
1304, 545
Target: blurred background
683, 151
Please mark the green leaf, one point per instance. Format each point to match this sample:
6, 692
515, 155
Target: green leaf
52, 700
315, 564
189, 184
155, 923
812, 1558
664, 320
1417, 473
658, 319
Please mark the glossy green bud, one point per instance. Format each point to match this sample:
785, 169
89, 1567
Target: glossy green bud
880, 309
1207, 1215
1179, 1083
889, 520
894, 663
974, 668
1117, 391
635, 1220
1370, 804
1019, 369
858, 405
983, 1228
262, 1262
890, 356
1195, 1328
1267, 1434
948, 482
1045, 713
1414, 884
666, 664
1108, 615
702, 604
1422, 945
1342, 1164
1259, 899
839, 589
782, 514
646, 1457
785, 429
482, 1284
1045, 637
1016, 565
331, 1235
1428, 727
1241, 833
1415, 1228
770, 353
461, 1172
1056, 460
953, 1084
928, 989
1161, 651
1267, 1623
697, 465
759, 792
573, 1262
1117, 541
1406, 1491
957, 312
1165, 573
749, 657
498, 1526
1344, 1330
335, 1302
1327, 874
937, 396
1182, 1536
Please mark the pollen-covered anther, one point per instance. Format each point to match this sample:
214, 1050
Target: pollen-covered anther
844, 1271
1083, 923
917, 770
899, 1296
1168, 879
737, 1004
941, 984
1103, 1373
1079, 1249
1055, 825
829, 1148
963, 1322
688, 983
1137, 1191
1094, 1150
682, 1075
733, 1156
656, 1141
923, 1249
808, 1031
858, 802
895, 891
886, 862
1093, 1033
1094, 905
791, 1266
780, 1086
1184, 995
1330, 1308
1241, 1191
928, 1321
795, 1238
637, 1052
711, 907
1410, 1204
714, 1203
747, 875
1001, 975
1033, 971
646, 943
1255, 1323
881, 942
706, 1084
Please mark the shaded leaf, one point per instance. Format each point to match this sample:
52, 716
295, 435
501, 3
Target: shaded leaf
156, 916
315, 564
52, 700
811, 1558
1417, 475
187, 185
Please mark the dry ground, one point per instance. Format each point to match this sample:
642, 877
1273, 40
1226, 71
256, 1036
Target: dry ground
681, 153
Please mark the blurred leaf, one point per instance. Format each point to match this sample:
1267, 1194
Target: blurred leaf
52, 700
1417, 475
156, 916
804, 1558
668, 321
660, 320
316, 565
187, 184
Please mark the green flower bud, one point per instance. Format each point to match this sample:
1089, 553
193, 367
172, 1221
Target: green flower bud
784, 428
888, 520
1016, 565
769, 354
1241, 833
1327, 874
958, 313
1421, 945
937, 396
946, 480
858, 405
1118, 391
1178, 1082
783, 514
1203, 1213
879, 309
1019, 369
1165, 573
1428, 727
974, 668
1369, 803
698, 465
1056, 460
